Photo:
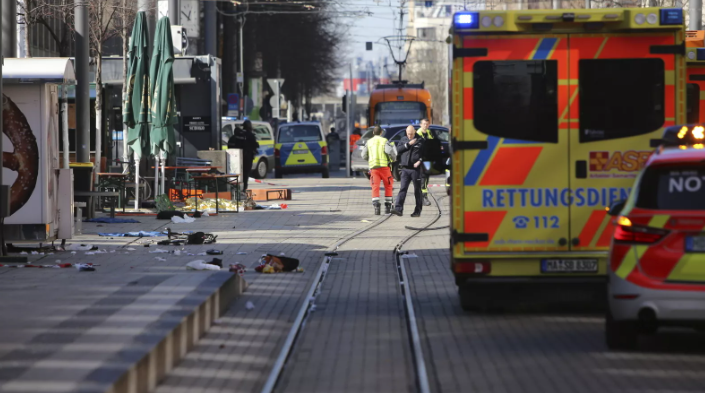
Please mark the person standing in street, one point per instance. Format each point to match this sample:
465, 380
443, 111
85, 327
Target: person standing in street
411, 150
245, 140
432, 153
379, 155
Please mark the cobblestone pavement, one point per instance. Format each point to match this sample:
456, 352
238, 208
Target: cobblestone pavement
535, 350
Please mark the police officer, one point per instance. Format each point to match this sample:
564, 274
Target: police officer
245, 140
410, 150
432, 153
379, 155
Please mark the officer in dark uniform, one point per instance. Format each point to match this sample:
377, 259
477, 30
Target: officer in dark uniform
245, 140
410, 153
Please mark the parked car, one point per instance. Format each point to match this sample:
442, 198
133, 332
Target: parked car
394, 133
264, 161
656, 275
301, 148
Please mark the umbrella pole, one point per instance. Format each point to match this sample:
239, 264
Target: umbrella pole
156, 176
137, 183
163, 164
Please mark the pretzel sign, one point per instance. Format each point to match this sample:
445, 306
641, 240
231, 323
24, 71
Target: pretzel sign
24, 159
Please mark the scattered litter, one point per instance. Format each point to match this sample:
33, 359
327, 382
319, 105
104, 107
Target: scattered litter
200, 265
158, 251
364, 220
23, 253
214, 252
274, 264
281, 254
58, 261
205, 214
134, 234
177, 252
73, 252
185, 220
112, 251
249, 306
238, 268
130, 249
160, 259
217, 262
409, 255
299, 270
80, 247
201, 254
84, 267
241, 253
108, 220
90, 253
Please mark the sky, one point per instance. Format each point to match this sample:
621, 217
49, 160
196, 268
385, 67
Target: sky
383, 22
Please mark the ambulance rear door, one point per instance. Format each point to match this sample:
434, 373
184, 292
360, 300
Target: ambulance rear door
623, 93
509, 186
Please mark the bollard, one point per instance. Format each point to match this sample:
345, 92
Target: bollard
334, 160
78, 220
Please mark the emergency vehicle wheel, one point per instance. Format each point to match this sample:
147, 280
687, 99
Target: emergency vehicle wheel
469, 301
262, 169
325, 174
277, 174
620, 334
396, 172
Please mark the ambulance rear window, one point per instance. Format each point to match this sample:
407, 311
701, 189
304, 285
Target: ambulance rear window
620, 98
693, 103
673, 188
517, 99
299, 133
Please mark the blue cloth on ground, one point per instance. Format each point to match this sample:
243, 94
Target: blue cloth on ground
108, 220
134, 234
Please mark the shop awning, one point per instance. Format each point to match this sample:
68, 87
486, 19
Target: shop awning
38, 70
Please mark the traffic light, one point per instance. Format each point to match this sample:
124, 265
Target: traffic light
345, 103
368, 45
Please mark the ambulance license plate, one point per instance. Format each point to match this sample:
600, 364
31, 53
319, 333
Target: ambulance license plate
300, 151
695, 243
569, 266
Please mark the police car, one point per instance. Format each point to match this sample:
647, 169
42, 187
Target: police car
264, 160
301, 148
657, 256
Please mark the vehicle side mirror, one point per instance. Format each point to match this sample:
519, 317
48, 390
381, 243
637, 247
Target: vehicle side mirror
360, 142
616, 208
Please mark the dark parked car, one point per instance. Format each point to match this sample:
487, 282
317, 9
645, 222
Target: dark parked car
394, 133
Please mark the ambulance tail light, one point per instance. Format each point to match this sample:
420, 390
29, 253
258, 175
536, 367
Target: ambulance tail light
628, 233
671, 16
473, 267
466, 20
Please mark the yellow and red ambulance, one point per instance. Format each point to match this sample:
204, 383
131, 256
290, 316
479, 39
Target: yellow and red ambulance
554, 114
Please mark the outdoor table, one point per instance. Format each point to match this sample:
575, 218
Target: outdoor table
215, 178
197, 169
114, 180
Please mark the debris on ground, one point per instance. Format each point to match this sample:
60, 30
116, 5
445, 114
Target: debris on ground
108, 220
158, 251
299, 270
217, 262
275, 264
84, 267
200, 265
80, 247
208, 205
238, 268
249, 306
185, 220
160, 259
134, 234
214, 252
241, 253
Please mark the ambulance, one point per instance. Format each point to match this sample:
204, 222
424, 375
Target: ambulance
554, 113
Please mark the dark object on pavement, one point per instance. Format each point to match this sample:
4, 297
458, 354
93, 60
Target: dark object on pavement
168, 214
217, 262
214, 252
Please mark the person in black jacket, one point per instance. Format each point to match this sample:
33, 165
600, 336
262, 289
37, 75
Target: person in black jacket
245, 140
410, 152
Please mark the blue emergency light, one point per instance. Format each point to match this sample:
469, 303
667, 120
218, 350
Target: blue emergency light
467, 20
671, 16
700, 54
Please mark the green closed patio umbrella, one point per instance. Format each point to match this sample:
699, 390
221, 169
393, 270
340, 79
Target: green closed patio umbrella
162, 113
135, 112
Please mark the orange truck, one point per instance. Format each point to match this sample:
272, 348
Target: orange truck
399, 103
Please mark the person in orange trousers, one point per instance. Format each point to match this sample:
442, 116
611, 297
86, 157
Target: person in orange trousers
380, 154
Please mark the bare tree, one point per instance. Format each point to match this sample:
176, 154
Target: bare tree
102, 15
45, 13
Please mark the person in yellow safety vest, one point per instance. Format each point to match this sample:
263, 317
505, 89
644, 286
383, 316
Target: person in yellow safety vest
380, 154
432, 150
